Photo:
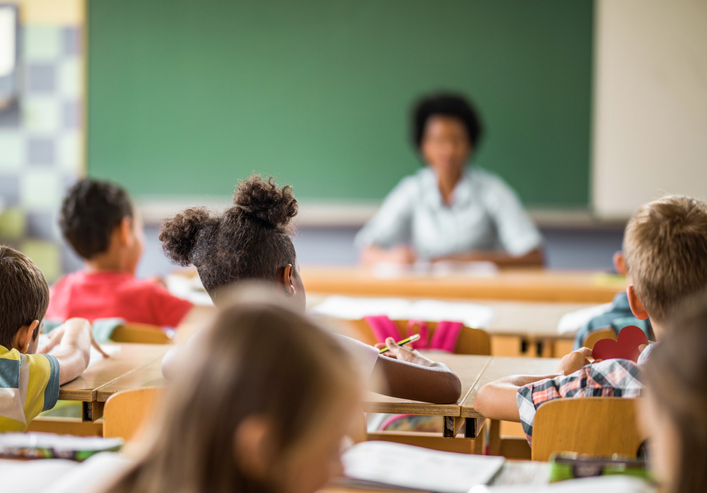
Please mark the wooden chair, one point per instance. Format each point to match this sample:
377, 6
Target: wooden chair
140, 333
598, 335
470, 341
599, 426
125, 412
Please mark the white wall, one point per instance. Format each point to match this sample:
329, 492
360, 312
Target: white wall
650, 104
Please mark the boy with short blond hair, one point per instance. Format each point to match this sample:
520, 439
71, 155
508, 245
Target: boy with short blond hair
29, 382
665, 246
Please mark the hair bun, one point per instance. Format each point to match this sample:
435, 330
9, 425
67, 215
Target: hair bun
262, 199
179, 235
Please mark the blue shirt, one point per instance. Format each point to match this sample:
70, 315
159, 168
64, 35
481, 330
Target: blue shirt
485, 214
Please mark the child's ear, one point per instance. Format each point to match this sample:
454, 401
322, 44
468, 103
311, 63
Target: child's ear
125, 231
25, 336
253, 447
637, 307
620, 263
287, 280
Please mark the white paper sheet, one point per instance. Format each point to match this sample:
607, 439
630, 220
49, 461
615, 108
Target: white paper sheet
419, 468
470, 314
571, 322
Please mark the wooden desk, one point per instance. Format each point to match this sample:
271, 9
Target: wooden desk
500, 367
532, 325
149, 375
519, 285
468, 368
86, 387
474, 372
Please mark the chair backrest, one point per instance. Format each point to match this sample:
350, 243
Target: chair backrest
140, 333
598, 335
470, 341
599, 426
125, 412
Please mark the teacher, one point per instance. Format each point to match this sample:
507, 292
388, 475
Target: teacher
450, 210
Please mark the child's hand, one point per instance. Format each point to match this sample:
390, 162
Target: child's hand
405, 353
56, 336
576, 360
403, 254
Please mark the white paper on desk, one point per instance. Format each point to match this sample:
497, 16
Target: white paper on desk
418, 468
188, 288
605, 484
470, 314
571, 322
109, 349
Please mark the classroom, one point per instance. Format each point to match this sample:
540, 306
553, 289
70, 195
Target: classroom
450, 246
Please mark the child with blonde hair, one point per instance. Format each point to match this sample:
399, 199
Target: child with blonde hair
665, 247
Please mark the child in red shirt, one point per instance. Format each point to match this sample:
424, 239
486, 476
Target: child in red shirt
98, 221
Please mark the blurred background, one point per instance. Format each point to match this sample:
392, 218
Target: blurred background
591, 108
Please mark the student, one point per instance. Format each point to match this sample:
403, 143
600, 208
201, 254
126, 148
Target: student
251, 240
449, 210
666, 252
674, 413
618, 315
262, 406
100, 223
29, 382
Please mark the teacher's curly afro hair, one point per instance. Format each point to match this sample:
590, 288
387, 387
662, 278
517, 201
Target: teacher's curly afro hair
450, 105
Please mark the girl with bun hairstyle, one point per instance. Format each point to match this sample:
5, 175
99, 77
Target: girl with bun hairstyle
251, 241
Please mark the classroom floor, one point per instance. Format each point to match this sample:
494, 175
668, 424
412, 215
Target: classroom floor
564, 249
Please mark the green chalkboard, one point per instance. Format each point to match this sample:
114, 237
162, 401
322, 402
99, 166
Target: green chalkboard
185, 97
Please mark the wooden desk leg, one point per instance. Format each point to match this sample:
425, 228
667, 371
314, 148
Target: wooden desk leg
92, 411
494, 434
479, 443
452, 425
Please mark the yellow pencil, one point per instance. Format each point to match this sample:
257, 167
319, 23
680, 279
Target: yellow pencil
412, 338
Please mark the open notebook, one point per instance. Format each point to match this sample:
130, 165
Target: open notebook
377, 464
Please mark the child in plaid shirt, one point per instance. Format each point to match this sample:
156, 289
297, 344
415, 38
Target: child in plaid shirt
665, 245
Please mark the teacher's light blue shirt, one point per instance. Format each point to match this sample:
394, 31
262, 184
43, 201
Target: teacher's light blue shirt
485, 214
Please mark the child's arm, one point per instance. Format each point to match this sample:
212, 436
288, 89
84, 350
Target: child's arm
74, 348
409, 375
498, 400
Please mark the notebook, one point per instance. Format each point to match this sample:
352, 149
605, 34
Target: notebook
375, 464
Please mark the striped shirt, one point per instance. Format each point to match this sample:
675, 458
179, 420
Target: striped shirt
29, 384
609, 378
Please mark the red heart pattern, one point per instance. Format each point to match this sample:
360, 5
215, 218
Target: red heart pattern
624, 347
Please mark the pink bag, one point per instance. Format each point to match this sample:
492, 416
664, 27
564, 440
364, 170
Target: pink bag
443, 339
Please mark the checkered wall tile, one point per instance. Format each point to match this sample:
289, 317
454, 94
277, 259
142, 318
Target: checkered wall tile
40, 144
